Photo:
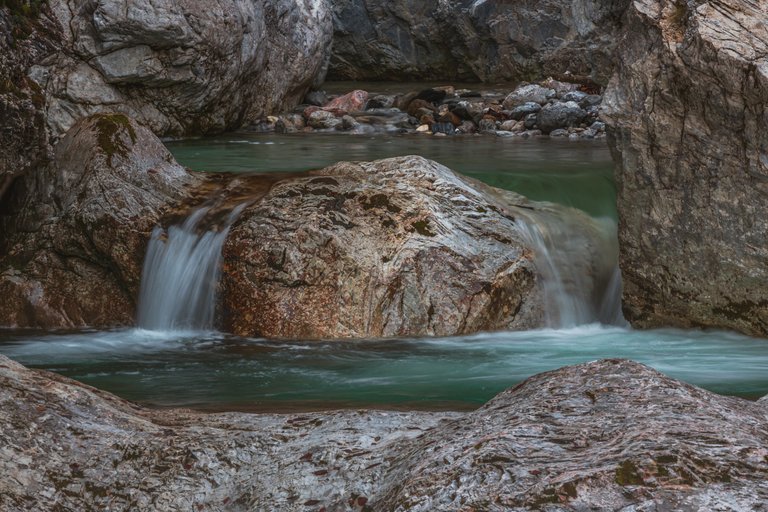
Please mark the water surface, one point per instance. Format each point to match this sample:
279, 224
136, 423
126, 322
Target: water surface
222, 372
573, 173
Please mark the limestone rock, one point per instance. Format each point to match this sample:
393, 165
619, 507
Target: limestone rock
607, 435
191, 68
560, 115
686, 113
474, 39
395, 247
76, 259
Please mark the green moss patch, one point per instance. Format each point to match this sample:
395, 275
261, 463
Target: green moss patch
110, 129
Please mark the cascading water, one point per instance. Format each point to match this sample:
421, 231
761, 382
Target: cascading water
181, 275
581, 281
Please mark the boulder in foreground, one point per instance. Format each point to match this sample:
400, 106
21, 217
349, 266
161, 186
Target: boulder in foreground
607, 435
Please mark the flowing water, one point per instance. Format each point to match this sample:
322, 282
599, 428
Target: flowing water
177, 359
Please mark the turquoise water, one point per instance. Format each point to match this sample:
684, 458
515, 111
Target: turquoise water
215, 371
578, 173
221, 372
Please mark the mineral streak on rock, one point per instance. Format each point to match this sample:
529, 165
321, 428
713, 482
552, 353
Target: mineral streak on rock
607, 435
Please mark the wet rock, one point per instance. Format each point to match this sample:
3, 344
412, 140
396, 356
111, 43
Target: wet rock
560, 115
487, 124
381, 101
443, 127
290, 123
76, 261
468, 111
467, 127
353, 251
606, 435
323, 120
348, 123
512, 126
693, 171
522, 111
418, 107
559, 132
532, 93
354, 101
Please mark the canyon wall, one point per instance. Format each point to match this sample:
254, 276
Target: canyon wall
686, 111
473, 40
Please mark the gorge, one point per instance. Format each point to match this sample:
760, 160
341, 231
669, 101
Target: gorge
364, 303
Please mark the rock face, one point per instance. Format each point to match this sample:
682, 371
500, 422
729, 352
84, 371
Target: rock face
401, 246
76, 258
687, 113
473, 40
190, 68
606, 435
405, 247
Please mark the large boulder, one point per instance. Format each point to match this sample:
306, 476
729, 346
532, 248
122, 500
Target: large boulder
401, 247
76, 259
686, 114
183, 68
474, 40
606, 435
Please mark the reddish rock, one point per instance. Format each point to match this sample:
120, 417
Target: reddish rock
351, 102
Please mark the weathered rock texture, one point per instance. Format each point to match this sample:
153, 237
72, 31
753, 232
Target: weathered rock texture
401, 246
687, 113
183, 68
608, 435
473, 39
75, 259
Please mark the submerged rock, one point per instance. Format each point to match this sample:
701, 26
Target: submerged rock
606, 435
686, 111
76, 259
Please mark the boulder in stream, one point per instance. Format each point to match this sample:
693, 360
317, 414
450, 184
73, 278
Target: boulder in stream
607, 435
405, 247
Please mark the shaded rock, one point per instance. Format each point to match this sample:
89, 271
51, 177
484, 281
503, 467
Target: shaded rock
575, 96
473, 40
316, 98
468, 111
323, 120
686, 119
381, 101
418, 107
606, 435
531, 121
76, 260
559, 132
290, 123
532, 93
353, 251
512, 126
467, 127
351, 102
443, 127
591, 100
560, 115
522, 111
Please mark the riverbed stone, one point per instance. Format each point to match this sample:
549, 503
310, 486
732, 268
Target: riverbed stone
532, 93
607, 435
521, 111
560, 115
686, 120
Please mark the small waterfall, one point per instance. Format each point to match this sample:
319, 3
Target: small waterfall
181, 274
576, 258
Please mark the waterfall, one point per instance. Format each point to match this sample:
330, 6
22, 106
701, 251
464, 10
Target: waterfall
181, 274
576, 258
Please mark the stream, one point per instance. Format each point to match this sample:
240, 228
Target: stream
165, 364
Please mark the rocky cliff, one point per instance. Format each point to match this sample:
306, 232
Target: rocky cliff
607, 435
686, 111
473, 39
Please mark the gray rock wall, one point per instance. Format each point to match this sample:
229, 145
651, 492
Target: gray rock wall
473, 39
686, 113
